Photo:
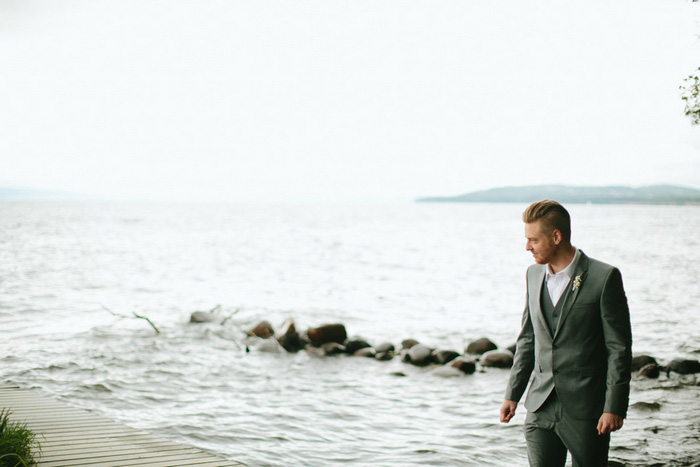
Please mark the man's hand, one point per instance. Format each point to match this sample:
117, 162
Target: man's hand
508, 410
608, 423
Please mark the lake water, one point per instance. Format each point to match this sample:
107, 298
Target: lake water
443, 274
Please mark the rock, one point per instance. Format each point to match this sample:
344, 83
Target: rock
263, 330
267, 346
353, 345
203, 317
327, 333
405, 356
385, 347
497, 359
480, 346
651, 370
512, 348
332, 348
289, 338
444, 356
398, 373
684, 367
646, 406
447, 371
365, 352
420, 355
465, 365
408, 343
384, 356
640, 361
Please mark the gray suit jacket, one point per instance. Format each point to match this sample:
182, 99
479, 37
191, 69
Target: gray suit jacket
588, 358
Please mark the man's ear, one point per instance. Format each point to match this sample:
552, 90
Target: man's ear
556, 236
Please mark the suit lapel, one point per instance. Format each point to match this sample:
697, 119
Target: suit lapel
539, 281
573, 289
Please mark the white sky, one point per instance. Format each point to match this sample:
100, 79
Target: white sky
362, 99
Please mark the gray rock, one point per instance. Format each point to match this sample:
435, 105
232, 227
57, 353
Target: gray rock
365, 352
327, 333
263, 330
466, 365
289, 338
332, 348
384, 356
408, 343
480, 346
651, 370
353, 345
640, 361
684, 366
385, 347
444, 356
204, 317
497, 359
420, 355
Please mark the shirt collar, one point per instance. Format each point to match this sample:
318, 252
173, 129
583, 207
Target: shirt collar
567, 270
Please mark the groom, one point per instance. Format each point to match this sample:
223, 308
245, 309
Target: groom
576, 337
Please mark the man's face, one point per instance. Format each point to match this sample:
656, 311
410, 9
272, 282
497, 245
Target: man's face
542, 246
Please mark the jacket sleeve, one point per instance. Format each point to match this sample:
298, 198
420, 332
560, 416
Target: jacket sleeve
524, 359
617, 333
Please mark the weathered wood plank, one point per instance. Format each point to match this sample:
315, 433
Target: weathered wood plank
75, 437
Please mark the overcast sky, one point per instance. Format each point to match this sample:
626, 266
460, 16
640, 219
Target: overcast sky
284, 100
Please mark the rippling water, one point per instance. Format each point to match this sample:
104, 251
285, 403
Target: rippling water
443, 274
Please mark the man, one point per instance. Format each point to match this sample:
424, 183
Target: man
576, 337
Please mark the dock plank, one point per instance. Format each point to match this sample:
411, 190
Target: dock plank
74, 437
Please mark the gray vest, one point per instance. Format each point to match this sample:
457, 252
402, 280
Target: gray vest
551, 312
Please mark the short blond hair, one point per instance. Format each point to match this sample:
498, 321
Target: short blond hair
551, 215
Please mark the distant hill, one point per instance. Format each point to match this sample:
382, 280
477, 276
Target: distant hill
656, 194
29, 194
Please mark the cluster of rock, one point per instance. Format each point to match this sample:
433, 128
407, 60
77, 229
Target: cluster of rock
332, 339
647, 366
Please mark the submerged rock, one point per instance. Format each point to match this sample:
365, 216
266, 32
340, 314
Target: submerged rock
497, 359
646, 406
447, 371
327, 333
384, 356
684, 366
204, 317
480, 346
640, 361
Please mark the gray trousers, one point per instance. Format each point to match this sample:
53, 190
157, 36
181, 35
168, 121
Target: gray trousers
550, 433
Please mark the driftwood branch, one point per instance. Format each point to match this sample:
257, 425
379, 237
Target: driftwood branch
149, 322
229, 316
135, 315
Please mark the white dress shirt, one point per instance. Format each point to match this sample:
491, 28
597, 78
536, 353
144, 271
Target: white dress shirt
556, 283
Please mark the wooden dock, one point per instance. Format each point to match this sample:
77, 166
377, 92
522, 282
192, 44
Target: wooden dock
72, 437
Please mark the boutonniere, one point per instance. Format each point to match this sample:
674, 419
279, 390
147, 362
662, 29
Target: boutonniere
577, 281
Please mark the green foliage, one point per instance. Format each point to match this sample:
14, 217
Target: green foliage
16, 442
690, 93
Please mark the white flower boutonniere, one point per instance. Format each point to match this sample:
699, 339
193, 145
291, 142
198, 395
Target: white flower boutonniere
577, 281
